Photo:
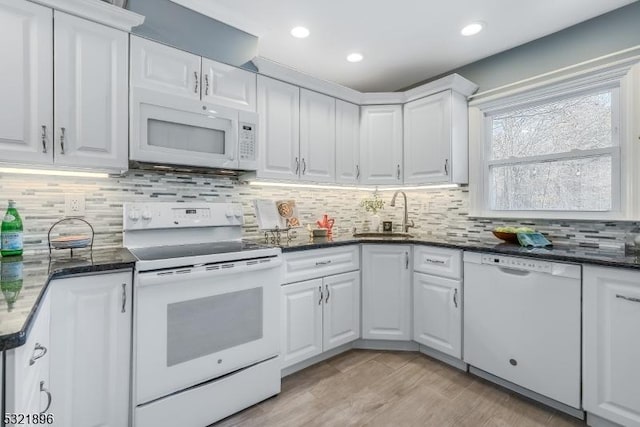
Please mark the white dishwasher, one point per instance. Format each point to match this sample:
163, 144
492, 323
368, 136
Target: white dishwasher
522, 323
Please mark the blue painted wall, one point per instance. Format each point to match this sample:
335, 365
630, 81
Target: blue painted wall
608, 33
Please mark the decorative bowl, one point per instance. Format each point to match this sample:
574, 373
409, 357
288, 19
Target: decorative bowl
507, 237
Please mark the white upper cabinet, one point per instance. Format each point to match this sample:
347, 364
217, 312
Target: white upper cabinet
26, 83
317, 137
381, 144
278, 129
91, 71
436, 140
228, 86
347, 142
611, 315
163, 68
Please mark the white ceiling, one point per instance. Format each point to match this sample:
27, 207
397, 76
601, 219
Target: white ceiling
403, 41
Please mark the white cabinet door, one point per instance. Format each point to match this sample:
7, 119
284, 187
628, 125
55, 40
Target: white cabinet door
381, 144
427, 139
437, 313
163, 68
90, 365
27, 368
317, 137
91, 103
347, 142
278, 130
386, 292
611, 316
229, 86
301, 319
26, 82
341, 314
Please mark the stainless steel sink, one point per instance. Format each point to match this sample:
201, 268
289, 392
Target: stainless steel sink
383, 235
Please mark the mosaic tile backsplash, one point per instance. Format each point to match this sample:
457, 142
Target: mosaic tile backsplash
441, 213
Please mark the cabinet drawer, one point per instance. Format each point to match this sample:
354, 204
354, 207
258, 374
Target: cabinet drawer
314, 263
438, 261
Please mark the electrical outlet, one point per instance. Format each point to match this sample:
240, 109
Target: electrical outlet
74, 204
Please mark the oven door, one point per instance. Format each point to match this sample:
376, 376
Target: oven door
196, 324
173, 130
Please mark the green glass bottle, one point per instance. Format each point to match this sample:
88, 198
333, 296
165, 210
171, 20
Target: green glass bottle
11, 279
11, 232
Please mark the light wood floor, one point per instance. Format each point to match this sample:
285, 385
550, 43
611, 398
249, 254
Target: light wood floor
376, 388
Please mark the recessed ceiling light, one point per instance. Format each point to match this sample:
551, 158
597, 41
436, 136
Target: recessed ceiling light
300, 32
355, 57
472, 29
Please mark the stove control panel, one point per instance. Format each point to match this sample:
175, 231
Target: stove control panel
161, 215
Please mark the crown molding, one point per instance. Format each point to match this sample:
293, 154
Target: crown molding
278, 71
97, 11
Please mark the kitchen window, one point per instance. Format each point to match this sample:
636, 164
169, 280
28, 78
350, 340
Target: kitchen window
554, 151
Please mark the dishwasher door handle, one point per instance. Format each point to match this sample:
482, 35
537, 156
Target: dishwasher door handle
514, 271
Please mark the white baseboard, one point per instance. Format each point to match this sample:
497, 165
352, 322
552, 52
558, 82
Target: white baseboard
386, 345
596, 421
316, 359
445, 358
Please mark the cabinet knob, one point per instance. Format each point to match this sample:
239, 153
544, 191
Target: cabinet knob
398, 171
446, 166
328, 293
195, 75
321, 295
62, 134
44, 139
38, 352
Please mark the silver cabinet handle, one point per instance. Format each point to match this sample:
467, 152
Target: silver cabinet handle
455, 297
321, 295
297, 166
124, 297
44, 139
328, 293
446, 166
434, 261
38, 352
406, 260
626, 298
195, 75
323, 262
357, 171
304, 166
206, 84
62, 132
44, 389
398, 172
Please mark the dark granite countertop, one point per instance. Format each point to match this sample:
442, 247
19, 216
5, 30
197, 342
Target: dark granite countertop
21, 298
574, 254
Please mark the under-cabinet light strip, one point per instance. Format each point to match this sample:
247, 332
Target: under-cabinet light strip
345, 187
54, 172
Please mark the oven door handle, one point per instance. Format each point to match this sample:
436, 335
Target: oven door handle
204, 271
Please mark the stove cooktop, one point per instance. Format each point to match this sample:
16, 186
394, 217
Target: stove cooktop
195, 250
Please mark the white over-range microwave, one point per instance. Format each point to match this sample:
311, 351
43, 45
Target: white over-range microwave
169, 129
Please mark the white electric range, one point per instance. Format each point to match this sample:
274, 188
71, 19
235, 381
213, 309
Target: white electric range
206, 313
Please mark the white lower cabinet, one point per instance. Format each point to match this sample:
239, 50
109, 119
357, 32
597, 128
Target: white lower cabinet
301, 321
27, 371
319, 315
611, 348
437, 313
90, 362
386, 292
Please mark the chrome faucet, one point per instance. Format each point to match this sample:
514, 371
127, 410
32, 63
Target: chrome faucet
406, 224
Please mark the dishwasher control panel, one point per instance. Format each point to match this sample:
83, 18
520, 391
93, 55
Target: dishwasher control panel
518, 263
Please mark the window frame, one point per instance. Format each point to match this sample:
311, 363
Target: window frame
624, 100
